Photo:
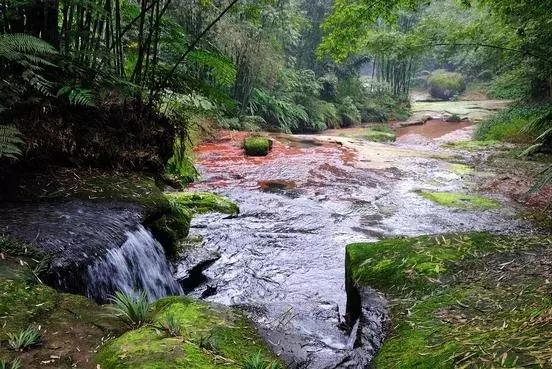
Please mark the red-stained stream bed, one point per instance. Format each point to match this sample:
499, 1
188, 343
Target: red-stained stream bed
282, 257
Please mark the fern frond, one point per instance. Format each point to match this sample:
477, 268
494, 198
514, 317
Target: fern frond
77, 96
11, 141
39, 83
25, 44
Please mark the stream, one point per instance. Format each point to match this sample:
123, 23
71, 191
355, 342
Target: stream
282, 258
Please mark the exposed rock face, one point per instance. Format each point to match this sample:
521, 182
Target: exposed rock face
83, 239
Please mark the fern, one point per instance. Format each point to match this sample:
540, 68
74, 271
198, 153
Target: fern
26, 50
10, 142
77, 96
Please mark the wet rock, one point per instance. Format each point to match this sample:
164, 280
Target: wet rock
191, 265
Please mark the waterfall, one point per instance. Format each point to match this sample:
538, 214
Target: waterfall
138, 265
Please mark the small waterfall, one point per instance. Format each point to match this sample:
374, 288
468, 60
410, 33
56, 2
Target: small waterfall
138, 265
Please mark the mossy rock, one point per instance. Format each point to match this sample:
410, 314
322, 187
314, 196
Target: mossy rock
71, 326
257, 145
171, 227
203, 202
445, 85
459, 200
212, 337
449, 307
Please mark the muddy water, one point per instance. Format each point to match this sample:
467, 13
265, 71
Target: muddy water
433, 128
282, 258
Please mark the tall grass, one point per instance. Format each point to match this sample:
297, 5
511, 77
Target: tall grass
133, 309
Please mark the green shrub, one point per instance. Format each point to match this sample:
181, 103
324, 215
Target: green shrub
133, 309
25, 339
349, 113
257, 145
381, 105
512, 85
445, 85
509, 125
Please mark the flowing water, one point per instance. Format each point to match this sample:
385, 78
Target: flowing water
138, 265
98, 247
282, 258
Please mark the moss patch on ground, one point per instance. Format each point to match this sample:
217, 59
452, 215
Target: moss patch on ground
212, 337
71, 326
379, 136
461, 169
471, 145
257, 145
203, 202
459, 200
461, 301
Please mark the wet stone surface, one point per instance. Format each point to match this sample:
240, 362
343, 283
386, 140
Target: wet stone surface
282, 257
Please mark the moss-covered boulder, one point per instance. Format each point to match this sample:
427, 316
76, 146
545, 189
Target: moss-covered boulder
203, 202
445, 85
257, 145
211, 336
460, 200
71, 326
460, 301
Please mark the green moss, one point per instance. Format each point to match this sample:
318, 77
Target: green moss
410, 262
379, 136
458, 200
445, 85
203, 202
257, 145
449, 309
171, 227
63, 318
213, 337
461, 169
471, 145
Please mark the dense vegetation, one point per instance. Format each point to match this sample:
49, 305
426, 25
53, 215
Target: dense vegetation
132, 84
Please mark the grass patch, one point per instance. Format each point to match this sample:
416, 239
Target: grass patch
257, 145
459, 200
449, 306
508, 125
379, 133
211, 337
